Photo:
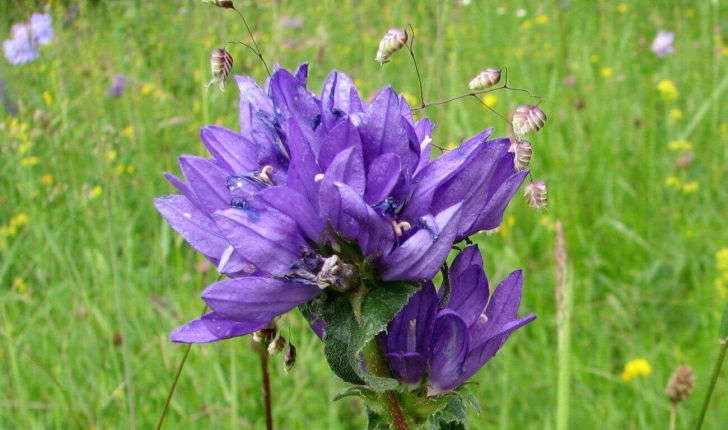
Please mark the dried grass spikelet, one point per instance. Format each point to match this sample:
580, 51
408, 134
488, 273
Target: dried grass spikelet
522, 158
536, 194
225, 4
681, 384
391, 42
528, 120
221, 63
486, 79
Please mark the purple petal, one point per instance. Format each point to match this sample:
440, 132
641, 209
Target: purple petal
383, 130
411, 329
252, 100
303, 169
302, 74
256, 299
347, 168
469, 294
212, 328
269, 240
382, 177
343, 136
207, 181
185, 189
492, 215
408, 368
359, 221
231, 150
292, 203
421, 256
438, 172
194, 225
502, 308
470, 256
339, 99
449, 347
41, 28
294, 104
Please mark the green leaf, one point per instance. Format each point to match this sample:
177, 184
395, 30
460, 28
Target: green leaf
452, 417
469, 398
723, 332
358, 391
375, 421
379, 307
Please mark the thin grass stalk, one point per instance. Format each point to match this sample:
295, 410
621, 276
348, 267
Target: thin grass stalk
713, 380
563, 324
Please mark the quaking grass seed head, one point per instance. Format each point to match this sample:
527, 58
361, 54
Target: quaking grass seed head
275, 347
486, 79
527, 120
391, 42
522, 157
225, 4
221, 63
289, 359
536, 194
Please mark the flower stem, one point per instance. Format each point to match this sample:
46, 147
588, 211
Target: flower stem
673, 415
713, 380
377, 365
266, 386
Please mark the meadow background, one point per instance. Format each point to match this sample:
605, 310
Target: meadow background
92, 280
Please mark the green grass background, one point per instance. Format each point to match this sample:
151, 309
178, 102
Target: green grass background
93, 284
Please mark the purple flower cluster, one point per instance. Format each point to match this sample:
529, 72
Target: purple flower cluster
306, 170
26, 38
440, 342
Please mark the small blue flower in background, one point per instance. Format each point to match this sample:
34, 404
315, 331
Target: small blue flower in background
441, 345
117, 88
26, 38
307, 168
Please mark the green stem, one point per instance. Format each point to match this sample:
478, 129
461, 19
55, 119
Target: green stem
377, 365
713, 380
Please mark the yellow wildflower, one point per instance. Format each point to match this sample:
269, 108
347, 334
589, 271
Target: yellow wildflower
127, 131
690, 12
607, 72
542, 19
20, 220
111, 156
622, 8
129, 170
635, 368
594, 58
680, 145
668, 90
147, 88
526, 24
96, 191
721, 258
490, 100
24, 147
29, 161
47, 98
507, 225
690, 187
411, 98
676, 114
46, 179
673, 182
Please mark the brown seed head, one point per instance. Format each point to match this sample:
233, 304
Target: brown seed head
681, 384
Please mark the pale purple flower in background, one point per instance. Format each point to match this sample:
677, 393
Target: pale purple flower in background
117, 89
23, 46
662, 45
295, 22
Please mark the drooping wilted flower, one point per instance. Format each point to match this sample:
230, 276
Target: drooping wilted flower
662, 45
221, 63
528, 120
485, 79
440, 342
536, 194
391, 42
26, 38
315, 186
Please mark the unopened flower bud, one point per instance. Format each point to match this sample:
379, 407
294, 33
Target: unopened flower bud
275, 347
289, 359
391, 42
681, 384
486, 79
536, 195
225, 4
522, 156
266, 334
221, 64
528, 120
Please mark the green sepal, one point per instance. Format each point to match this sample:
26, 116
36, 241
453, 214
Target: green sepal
376, 422
452, 417
469, 398
359, 391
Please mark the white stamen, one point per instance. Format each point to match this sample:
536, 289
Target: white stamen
264, 174
318, 178
482, 319
400, 227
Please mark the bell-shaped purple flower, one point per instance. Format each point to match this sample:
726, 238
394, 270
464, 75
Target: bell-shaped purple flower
441, 342
26, 38
307, 171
